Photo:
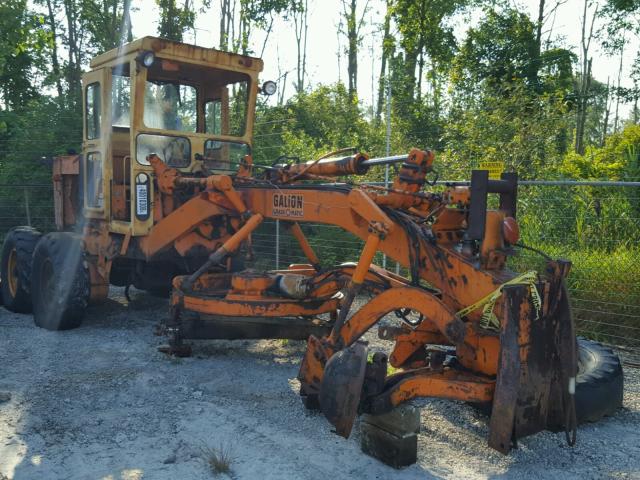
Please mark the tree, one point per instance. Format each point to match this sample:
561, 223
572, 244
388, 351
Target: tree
502, 48
174, 20
387, 51
300, 19
425, 37
584, 80
621, 20
22, 47
519, 127
108, 23
353, 25
239, 18
53, 44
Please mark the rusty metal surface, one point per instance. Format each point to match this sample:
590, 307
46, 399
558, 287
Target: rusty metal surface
447, 383
233, 328
537, 359
505, 397
341, 388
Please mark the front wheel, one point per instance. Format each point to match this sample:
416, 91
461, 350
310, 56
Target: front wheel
60, 285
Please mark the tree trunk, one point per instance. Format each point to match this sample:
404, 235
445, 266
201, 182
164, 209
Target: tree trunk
127, 13
224, 25
51, 19
74, 71
420, 49
301, 25
605, 124
582, 109
386, 39
535, 65
615, 123
585, 80
352, 56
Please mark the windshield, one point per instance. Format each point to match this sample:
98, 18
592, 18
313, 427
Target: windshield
182, 97
170, 106
186, 99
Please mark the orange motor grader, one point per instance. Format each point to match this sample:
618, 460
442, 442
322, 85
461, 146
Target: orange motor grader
165, 194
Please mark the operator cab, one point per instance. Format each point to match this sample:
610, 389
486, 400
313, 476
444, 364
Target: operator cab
191, 106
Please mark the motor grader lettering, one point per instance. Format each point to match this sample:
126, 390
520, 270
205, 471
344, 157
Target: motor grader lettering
287, 205
166, 195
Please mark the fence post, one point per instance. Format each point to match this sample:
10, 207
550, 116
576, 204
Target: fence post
388, 149
26, 205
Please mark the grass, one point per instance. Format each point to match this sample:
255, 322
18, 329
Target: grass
604, 288
218, 459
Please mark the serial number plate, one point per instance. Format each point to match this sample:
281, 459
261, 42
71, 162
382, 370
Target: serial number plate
142, 200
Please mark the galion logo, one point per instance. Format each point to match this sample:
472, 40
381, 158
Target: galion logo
288, 205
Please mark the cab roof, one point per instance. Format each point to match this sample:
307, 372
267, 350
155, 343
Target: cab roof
177, 51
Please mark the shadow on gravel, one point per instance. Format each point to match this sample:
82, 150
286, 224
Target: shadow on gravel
269, 351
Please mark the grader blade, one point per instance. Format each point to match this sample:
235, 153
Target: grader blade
341, 387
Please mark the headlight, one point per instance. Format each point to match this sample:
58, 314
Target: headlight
146, 58
269, 87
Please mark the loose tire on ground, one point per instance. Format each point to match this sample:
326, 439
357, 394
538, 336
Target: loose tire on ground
60, 282
599, 384
15, 268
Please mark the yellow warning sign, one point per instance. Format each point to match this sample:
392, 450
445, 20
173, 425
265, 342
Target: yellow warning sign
495, 169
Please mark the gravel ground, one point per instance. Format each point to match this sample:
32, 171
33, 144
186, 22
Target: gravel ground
101, 402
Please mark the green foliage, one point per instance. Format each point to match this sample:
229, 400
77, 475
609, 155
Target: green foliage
22, 41
499, 50
618, 159
312, 124
104, 20
503, 48
174, 20
525, 130
30, 137
604, 287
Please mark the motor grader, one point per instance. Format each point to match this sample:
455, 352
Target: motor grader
165, 196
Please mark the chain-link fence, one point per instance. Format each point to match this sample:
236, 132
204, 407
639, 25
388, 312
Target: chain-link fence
26, 204
594, 225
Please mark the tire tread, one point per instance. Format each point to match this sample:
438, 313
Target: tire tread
74, 296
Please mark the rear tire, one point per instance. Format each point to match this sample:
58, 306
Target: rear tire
15, 270
60, 282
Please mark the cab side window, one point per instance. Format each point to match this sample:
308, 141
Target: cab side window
93, 114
